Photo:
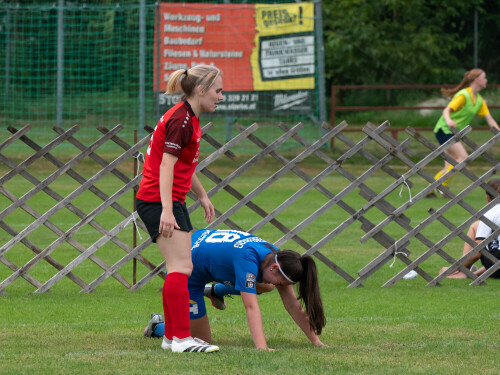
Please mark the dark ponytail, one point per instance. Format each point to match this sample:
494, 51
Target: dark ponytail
302, 270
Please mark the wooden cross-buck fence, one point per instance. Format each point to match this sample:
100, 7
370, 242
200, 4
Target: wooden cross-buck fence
47, 237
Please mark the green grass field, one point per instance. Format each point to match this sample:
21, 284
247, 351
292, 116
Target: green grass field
407, 328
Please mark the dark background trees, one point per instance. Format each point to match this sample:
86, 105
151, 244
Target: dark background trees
400, 41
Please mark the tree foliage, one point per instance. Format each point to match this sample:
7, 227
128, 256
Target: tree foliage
397, 41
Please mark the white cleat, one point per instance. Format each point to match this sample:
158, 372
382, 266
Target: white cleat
190, 344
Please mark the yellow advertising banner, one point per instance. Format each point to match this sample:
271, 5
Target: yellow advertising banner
283, 57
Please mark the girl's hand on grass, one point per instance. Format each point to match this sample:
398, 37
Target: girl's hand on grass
267, 349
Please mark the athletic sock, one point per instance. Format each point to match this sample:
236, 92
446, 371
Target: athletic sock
175, 292
439, 174
222, 290
448, 180
160, 330
167, 328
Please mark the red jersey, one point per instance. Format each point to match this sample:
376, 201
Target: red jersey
178, 133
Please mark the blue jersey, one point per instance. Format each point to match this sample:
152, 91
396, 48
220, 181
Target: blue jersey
229, 257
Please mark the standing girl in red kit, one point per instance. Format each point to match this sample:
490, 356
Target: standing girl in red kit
168, 175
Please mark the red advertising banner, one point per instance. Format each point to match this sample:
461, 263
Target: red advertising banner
192, 34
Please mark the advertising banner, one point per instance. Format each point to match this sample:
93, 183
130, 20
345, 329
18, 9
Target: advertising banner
265, 51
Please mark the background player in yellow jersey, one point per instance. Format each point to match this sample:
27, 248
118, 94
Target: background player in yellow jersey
465, 104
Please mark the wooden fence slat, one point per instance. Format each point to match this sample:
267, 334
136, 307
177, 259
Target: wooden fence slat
416, 168
37, 250
48, 180
207, 128
77, 177
30, 279
212, 141
82, 257
31, 159
72, 230
115, 267
215, 155
148, 277
249, 163
120, 142
343, 193
47, 223
14, 137
368, 155
389, 139
71, 196
325, 138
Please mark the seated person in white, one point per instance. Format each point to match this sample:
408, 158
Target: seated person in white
478, 231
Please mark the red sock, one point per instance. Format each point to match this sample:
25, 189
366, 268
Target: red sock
176, 297
166, 315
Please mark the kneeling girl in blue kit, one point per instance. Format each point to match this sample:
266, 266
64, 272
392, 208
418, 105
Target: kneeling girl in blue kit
240, 263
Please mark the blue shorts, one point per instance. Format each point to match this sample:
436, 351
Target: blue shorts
197, 307
442, 137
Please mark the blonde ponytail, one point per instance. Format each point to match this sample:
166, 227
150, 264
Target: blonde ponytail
186, 80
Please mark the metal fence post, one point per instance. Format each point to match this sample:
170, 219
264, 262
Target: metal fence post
60, 63
142, 63
321, 60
